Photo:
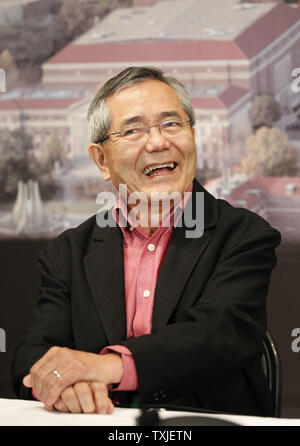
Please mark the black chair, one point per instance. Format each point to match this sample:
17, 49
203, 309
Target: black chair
272, 369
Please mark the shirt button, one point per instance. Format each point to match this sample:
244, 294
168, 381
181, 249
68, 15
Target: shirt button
146, 293
151, 247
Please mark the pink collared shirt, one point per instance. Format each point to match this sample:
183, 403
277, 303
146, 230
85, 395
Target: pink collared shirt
143, 256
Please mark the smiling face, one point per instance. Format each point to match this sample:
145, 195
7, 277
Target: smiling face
131, 162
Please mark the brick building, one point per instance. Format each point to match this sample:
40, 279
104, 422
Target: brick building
253, 48
277, 199
41, 112
223, 56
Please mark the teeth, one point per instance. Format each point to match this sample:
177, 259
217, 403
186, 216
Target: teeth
150, 169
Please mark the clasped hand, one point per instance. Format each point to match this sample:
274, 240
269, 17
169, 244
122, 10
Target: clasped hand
82, 382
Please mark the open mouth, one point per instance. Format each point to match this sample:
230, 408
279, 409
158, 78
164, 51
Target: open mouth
159, 168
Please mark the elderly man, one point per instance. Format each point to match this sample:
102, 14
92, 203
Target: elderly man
139, 308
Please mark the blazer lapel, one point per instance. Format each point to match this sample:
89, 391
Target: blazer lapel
105, 272
182, 255
105, 275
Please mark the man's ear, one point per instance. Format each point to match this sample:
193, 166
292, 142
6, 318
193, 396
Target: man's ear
97, 154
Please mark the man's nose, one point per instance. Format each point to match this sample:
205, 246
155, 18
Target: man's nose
156, 140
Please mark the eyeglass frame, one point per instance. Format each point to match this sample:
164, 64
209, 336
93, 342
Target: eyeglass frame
187, 121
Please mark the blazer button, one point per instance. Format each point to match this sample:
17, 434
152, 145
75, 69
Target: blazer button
163, 394
155, 396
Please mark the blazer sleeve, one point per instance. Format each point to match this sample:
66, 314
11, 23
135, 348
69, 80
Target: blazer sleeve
203, 343
52, 320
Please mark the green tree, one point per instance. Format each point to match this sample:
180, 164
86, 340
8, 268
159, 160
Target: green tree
23, 41
56, 149
15, 164
45, 160
67, 20
269, 153
265, 110
8, 64
7, 61
75, 15
18, 161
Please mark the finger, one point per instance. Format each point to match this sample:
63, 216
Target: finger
50, 386
27, 381
51, 390
54, 359
111, 407
71, 370
60, 406
103, 403
70, 400
43, 385
49, 408
85, 397
42, 378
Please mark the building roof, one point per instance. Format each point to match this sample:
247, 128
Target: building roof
177, 20
220, 100
278, 185
181, 31
268, 28
251, 191
147, 51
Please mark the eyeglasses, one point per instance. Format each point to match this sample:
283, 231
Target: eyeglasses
137, 132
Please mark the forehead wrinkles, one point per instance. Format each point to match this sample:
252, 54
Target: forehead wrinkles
144, 100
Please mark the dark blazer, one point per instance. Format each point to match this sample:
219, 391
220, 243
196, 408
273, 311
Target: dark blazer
209, 316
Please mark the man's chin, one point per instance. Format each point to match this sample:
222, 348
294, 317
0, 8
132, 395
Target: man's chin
162, 191
145, 192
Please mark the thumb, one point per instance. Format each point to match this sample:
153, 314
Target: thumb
27, 381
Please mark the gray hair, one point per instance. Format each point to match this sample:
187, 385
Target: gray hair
98, 113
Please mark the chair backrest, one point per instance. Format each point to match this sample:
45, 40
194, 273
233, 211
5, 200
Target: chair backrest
272, 370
